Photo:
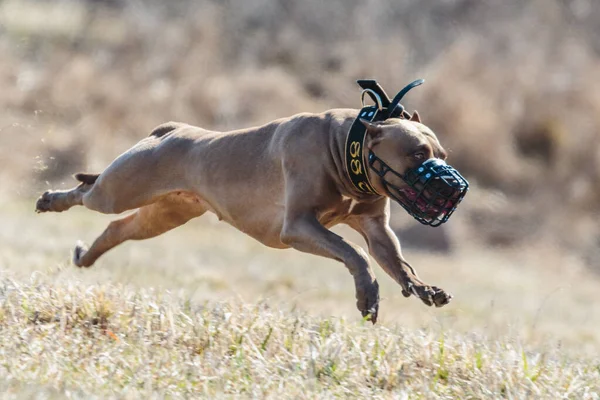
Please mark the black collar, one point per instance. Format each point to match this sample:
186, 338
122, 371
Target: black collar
355, 146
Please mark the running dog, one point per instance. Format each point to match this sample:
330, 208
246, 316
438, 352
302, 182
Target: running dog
284, 184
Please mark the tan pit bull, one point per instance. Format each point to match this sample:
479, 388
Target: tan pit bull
284, 183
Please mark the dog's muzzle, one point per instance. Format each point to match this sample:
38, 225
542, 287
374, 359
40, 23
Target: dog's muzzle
434, 189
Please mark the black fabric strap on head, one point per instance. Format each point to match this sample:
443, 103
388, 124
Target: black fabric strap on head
392, 108
372, 84
355, 166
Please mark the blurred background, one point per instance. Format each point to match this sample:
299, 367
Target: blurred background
512, 91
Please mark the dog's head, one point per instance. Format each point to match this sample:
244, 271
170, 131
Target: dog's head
407, 163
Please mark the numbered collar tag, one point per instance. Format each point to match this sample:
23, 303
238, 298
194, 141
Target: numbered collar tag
355, 162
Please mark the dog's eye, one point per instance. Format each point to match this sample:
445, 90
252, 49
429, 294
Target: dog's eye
419, 156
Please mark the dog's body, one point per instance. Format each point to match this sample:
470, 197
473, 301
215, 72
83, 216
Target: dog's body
283, 183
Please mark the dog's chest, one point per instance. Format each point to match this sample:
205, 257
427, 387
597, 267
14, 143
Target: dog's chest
338, 212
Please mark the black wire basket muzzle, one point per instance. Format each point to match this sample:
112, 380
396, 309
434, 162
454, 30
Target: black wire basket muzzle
434, 189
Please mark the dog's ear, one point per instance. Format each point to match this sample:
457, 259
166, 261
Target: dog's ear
373, 130
416, 117
374, 133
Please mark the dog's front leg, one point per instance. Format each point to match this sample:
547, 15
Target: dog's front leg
385, 249
305, 233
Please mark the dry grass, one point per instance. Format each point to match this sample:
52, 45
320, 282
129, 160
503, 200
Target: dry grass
108, 340
206, 311
534, 293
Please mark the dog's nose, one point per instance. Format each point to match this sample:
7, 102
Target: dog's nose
438, 185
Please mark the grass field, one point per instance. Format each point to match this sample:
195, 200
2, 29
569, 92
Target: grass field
112, 341
206, 311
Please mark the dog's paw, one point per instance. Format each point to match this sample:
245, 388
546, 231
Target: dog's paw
430, 295
78, 253
441, 297
367, 300
43, 203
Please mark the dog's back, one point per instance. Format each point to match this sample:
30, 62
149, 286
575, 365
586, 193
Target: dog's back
165, 128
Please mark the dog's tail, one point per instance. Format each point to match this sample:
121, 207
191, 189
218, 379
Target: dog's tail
88, 179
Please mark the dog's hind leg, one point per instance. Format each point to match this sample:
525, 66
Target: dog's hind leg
149, 221
62, 200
